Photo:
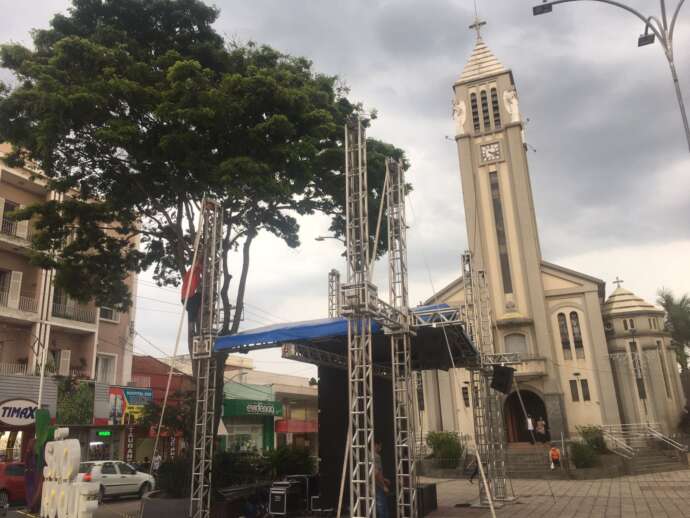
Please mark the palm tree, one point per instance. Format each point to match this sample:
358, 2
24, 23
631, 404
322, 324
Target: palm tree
678, 324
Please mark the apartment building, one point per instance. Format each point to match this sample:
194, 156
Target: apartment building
83, 340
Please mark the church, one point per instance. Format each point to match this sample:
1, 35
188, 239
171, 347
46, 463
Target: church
586, 358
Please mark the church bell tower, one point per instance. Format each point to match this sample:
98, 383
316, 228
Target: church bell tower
499, 209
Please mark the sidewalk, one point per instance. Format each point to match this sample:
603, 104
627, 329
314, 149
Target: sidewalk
658, 495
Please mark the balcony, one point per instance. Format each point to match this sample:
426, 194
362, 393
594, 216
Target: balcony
23, 369
21, 303
531, 367
76, 312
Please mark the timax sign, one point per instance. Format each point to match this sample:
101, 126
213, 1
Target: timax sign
18, 412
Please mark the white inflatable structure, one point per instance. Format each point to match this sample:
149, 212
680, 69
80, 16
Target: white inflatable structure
64, 496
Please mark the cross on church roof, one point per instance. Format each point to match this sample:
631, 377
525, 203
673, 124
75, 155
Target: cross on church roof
618, 282
477, 26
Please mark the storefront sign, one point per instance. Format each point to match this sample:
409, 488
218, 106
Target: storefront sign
104, 433
18, 412
127, 404
244, 407
130, 444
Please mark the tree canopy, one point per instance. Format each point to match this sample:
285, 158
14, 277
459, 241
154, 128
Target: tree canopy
136, 109
677, 323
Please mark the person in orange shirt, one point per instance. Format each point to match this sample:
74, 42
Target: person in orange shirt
555, 455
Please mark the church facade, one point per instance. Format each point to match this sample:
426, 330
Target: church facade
585, 359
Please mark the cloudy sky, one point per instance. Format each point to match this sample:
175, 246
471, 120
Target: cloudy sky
609, 165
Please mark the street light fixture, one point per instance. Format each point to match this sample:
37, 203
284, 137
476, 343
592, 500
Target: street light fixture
660, 27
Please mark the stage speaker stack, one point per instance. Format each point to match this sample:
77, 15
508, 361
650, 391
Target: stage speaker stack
502, 380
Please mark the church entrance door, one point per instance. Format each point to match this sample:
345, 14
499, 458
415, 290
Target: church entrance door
515, 419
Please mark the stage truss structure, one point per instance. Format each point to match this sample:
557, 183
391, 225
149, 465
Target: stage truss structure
489, 435
203, 361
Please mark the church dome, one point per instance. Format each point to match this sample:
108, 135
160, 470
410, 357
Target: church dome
623, 301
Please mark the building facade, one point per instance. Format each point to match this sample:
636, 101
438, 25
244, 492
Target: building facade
568, 336
83, 340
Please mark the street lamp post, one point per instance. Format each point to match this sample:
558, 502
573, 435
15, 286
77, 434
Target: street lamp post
659, 27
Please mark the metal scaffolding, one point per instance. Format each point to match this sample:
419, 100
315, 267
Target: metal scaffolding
203, 362
403, 418
357, 307
486, 403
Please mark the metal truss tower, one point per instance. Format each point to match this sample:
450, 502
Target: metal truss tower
203, 362
333, 293
404, 424
487, 414
359, 295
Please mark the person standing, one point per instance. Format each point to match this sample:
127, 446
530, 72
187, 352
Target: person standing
530, 428
382, 484
541, 430
156, 463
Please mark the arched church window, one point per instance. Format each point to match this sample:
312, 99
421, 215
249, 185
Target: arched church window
475, 111
565, 337
625, 324
577, 335
485, 111
516, 343
495, 108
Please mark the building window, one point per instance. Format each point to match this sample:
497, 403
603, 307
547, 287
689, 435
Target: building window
485, 111
631, 323
565, 337
573, 391
625, 324
466, 396
105, 369
475, 111
495, 108
664, 372
637, 371
109, 314
585, 390
516, 343
500, 233
577, 335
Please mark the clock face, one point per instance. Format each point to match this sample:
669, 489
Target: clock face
490, 152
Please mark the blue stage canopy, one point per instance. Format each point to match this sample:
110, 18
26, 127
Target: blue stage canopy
295, 332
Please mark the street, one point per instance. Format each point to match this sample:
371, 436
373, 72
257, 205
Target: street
120, 508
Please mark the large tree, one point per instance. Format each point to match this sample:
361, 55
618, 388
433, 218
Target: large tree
136, 109
678, 324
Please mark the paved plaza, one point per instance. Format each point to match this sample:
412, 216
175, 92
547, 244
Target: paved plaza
657, 495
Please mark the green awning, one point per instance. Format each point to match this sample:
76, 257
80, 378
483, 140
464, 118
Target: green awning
244, 407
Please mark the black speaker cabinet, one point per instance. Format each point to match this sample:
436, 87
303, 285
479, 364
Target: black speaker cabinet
426, 499
503, 379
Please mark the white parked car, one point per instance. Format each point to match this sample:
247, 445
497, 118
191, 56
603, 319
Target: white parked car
116, 478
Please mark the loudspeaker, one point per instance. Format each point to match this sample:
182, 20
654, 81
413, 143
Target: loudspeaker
502, 379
